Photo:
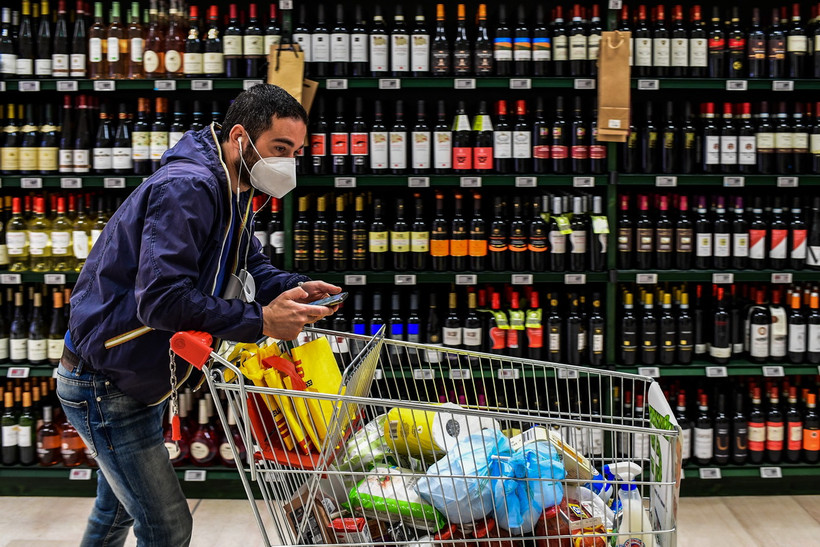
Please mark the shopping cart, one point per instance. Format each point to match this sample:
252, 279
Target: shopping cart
425, 445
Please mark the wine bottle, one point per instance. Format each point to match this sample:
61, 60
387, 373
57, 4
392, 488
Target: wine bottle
399, 45
203, 445
597, 326
462, 141
379, 143
626, 235
419, 237
800, 141
301, 238
704, 433
686, 429
398, 142
560, 44
18, 331
43, 67
811, 431
720, 349
452, 335
117, 45
420, 140
159, 133
669, 139
579, 140
559, 227
578, 237
644, 235
441, 47
685, 332
776, 47
704, 236
774, 429
698, 45
541, 45
778, 238
539, 157
757, 429
728, 141
193, 57
39, 235
778, 334
664, 233
537, 241
684, 236
736, 36
359, 237
400, 239
756, 56
498, 248
483, 140
462, 56
61, 56
661, 44
420, 46
783, 141
594, 30
395, 323
154, 54
797, 46
319, 45
522, 45
746, 141
628, 351
740, 236
37, 347
759, 328
253, 45
649, 144
8, 422
717, 46
136, 45
642, 45
273, 35
721, 237
322, 244
679, 45
378, 239
794, 428
339, 235
555, 332
23, 61
740, 433
29, 139
503, 140
576, 333
648, 332
340, 141
440, 238
723, 443
797, 331
301, 36
503, 44
61, 236
213, 59
97, 67
477, 248
442, 143
413, 323
379, 45
559, 146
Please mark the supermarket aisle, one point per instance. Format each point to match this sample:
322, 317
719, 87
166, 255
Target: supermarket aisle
747, 521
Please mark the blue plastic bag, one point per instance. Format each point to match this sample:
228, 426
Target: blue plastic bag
519, 503
458, 485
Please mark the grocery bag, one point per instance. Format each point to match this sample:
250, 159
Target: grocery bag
614, 86
315, 364
282, 374
286, 68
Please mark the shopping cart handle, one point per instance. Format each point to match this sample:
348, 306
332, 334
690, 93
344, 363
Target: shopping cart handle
193, 346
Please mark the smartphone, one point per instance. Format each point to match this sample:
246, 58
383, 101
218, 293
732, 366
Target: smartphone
332, 300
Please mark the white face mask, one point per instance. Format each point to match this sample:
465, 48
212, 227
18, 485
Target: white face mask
274, 176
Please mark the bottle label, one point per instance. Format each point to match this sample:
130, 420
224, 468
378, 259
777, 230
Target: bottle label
122, 158
400, 52
339, 144
643, 52
579, 152
686, 441
60, 243
757, 244
797, 338
43, 67
800, 142
795, 439
483, 158
728, 150
712, 150
561, 45
38, 241
379, 150
18, 349
661, 52
503, 144
740, 245
765, 142
645, 240
319, 48
477, 247
272, 40
4, 256
757, 437
158, 144
542, 49
60, 62
811, 440
199, 450
462, 158
559, 152
783, 142
253, 44
400, 242
723, 246
664, 240
698, 52
704, 247
398, 149
439, 247
759, 341
594, 47
814, 143
192, 63
28, 158
358, 48
79, 241
704, 443
774, 435
597, 152
522, 49
420, 242
378, 53
151, 61
55, 349
558, 242
459, 247
679, 52
141, 145
262, 237
277, 241
503, 49
113, 51
472, 337
212, 63
747, 150
10, 158
16, 243
420, 53
451, 336
797, 44
798, 250
378, 242
173, 61
443, 151
4, 348
719, 352
778, 244
10, 435
521, 144
37, 350
232, 45
577, 47
95, 50
625, 240
318, 144
358, 144
77, 62
578, 241
47, 158
95, 236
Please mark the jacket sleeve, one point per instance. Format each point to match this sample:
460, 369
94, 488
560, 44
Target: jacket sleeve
270, 281
178, 226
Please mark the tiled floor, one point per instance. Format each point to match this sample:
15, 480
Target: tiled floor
703, 522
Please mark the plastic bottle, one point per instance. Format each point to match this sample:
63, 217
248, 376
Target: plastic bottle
635, 529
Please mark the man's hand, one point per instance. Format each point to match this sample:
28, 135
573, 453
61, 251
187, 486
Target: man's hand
289, 312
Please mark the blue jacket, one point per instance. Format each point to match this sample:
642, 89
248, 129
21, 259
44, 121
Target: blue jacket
156, 265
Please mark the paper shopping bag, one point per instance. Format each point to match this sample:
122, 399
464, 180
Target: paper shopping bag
286, 68
614, 86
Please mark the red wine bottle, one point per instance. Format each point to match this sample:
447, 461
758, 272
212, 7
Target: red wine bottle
667, 332
723, 443
740, 433
811, 431
459, 237
537, 241
684, 236
794, 428
626, 237
775, 429
644, 235
579, 140
661, 44
736, 37
698, 45
797, 46
740, 236
776, 47
628, 354
664, 236
518, 238
559, 147
503, 140
717, 46
340, 141
648, 332
756, 48
686, 429
704, 433
477, 248
498, 244
721, 349
685, 331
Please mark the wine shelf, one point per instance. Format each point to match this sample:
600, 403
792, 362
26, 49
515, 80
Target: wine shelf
68, 84
716, 276
465, 181
737, 367
728, 84
71, 182
351, 279
25, 370
49, 278
728, 181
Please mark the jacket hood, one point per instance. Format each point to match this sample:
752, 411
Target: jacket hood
201, 147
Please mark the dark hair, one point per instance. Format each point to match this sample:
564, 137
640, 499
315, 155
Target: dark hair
255, 108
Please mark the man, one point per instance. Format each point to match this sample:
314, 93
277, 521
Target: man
174, 257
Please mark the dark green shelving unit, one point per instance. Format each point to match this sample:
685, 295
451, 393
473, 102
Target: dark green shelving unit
411, 278
70, 182
707, 276
469, 181
107, 86
729, 181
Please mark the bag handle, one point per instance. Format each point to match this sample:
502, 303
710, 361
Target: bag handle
295, 48
288, 369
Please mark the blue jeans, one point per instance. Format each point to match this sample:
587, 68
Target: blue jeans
136, 483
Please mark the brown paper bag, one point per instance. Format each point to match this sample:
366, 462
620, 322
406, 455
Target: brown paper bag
614, 86
309, 88
286, 68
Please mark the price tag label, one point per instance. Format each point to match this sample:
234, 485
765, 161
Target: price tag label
337, 83
71, 183
285, 4
165, 85
771, 473
2, 86
389, 83
716, 372
734, 182
652, 372
583, 182
666, 181
424, 374
67, 85
781, 278
737, 85
195, 475
418, 182
19, 372
520, 83
615, 4
202, 85
526, 182
773, 372
521, 279
79, 475
379, 374
104, 85
723, 278
30, 183
114, 182
54, 279
649, 85
464, 83
783, 85
710, 473
509, 374
575, 279
567, 374
344, 182
29, 85
788, 182
401, 279
646, 279
10, 279
247, 84
460, 374
466, 279
584, 83
355, 280
470, 182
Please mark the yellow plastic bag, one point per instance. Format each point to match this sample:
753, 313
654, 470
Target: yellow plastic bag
317, 366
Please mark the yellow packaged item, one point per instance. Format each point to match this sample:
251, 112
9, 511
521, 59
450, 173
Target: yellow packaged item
274, 378
317, 366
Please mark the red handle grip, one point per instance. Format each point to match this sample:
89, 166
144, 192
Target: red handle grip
193, 346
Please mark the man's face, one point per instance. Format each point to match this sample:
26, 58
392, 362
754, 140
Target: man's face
285, 137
